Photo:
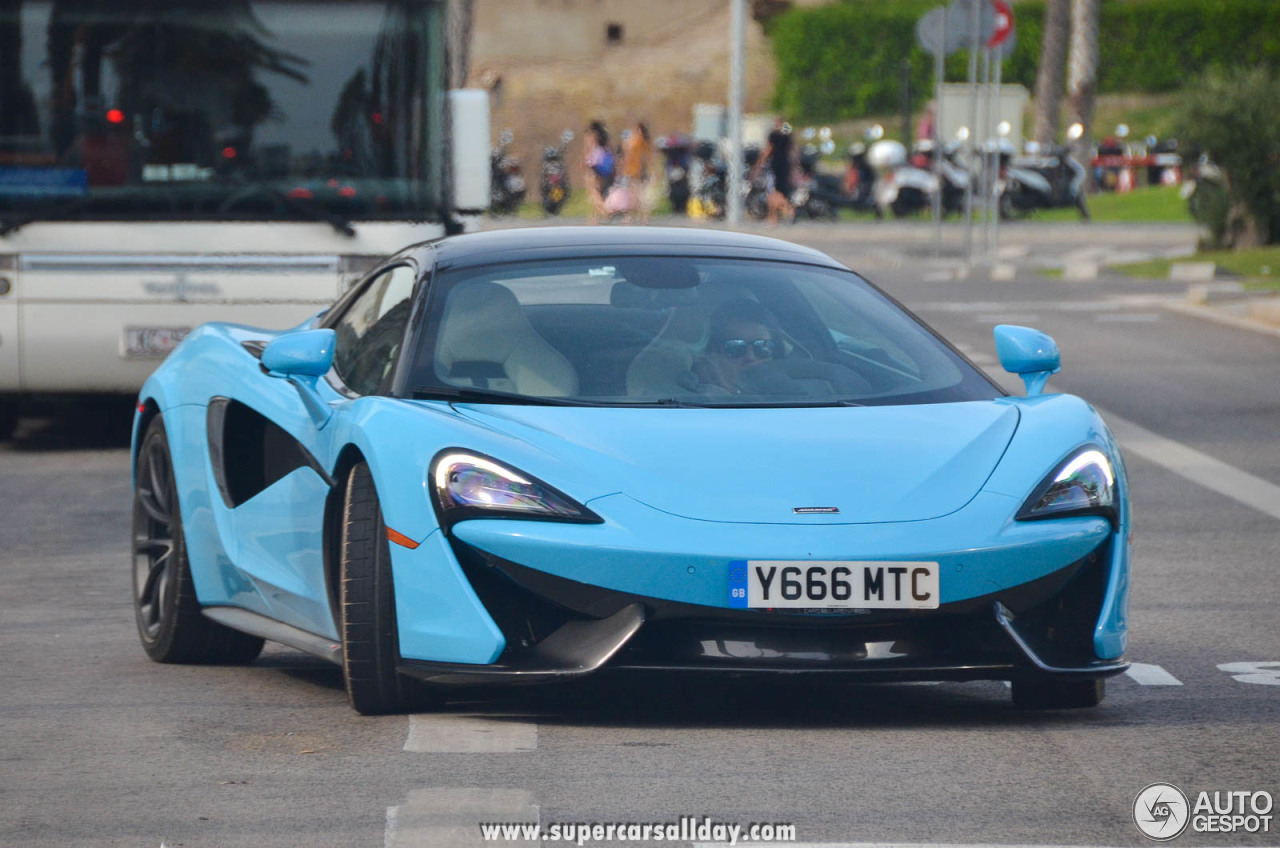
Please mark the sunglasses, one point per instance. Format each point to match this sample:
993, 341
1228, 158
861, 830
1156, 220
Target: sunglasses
737, 348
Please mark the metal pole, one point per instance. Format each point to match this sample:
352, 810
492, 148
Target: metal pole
939, 63
974, 47
737, 35
995, 216
988, 130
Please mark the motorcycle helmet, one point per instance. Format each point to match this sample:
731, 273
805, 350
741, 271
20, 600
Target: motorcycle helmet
886, 154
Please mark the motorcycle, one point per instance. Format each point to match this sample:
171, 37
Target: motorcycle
955, 177
1049, 181
507, 187
675, 156
554, 185
901, 188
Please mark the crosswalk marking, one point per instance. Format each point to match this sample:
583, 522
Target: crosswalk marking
470, 734
1151, 675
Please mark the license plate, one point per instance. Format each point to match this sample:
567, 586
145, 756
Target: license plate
150, 342
783, 584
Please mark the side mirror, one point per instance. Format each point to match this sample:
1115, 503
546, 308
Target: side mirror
1030, 354
304, 353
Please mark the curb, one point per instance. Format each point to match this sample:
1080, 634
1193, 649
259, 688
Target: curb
1220, 317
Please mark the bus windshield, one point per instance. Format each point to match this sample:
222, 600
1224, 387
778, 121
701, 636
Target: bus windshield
221, 110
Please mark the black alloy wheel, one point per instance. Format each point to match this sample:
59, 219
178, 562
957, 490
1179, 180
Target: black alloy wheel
166, 609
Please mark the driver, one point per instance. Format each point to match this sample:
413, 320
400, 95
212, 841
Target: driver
743, 336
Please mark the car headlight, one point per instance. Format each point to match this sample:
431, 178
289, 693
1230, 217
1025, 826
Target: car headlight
467, 485
1083, 485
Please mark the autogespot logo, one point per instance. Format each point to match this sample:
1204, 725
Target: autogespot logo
1161, 811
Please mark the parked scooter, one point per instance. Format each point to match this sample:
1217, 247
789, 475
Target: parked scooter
817, 195
554, 186
859, 179
955, 177
1042, 182
507, 187
675, 155
901, 188
710, 183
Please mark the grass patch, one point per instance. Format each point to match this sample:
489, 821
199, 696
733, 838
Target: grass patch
1159, 204
1259, 267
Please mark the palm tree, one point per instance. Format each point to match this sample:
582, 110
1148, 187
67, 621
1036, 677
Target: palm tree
460, 20
1082, 78
1053, 65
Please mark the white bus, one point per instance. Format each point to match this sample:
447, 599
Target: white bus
169, 162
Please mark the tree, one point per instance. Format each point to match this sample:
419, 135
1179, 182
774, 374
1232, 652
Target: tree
1082, 77
1234, 117
1051, 75
460, 22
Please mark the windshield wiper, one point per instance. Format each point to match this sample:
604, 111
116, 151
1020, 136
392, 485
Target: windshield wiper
474, 395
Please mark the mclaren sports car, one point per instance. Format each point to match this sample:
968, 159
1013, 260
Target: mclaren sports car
533, 455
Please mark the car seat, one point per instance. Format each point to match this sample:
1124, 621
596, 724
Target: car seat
487, 342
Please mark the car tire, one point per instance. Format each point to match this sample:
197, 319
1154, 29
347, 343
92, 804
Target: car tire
368, 610
1034, 693
8, 420
166, 609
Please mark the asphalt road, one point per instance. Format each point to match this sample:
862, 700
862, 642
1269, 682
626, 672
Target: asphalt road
99, 746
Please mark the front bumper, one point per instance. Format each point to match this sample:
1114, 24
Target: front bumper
557, 628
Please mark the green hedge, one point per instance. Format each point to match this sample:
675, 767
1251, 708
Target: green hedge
845, 60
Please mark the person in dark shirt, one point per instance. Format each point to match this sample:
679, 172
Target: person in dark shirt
777, 158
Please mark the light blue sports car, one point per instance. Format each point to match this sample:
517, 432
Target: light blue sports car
531, 455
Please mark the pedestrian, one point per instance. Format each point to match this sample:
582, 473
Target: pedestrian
637, 167
925, 124
777, 159
597, 169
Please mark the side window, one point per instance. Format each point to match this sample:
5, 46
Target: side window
372, 329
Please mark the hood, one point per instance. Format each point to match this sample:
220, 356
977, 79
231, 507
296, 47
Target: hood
874, 464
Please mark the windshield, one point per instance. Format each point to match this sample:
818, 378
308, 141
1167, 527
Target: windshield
679, 331
234, 110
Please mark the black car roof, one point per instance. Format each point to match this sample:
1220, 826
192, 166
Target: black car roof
544, 242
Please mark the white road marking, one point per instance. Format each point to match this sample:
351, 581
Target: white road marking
451, 818
1128, 317
1200, 468
1007, 318
1264, 673
1107, 304
1151, 675
389, 832
470, 734
888, 845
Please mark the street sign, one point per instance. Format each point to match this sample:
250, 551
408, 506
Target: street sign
1003, 23
960, 18
946, 31
930, 31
